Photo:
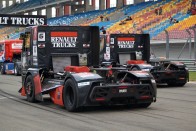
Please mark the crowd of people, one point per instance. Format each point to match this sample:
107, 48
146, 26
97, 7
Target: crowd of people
192, 10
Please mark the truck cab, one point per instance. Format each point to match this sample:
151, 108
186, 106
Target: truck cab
10, 56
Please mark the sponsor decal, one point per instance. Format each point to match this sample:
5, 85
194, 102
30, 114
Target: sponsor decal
140, 73
106, 56
35, 33
41, 45
34, 50
112, 41
83, 83
41, 36
83, 75
125, 42
22, 20
64, 39
17, 46
122, 90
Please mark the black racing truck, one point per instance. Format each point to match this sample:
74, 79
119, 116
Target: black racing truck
133, 51
62, 61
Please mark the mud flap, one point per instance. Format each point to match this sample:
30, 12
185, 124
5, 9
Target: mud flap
38, 89
22, 91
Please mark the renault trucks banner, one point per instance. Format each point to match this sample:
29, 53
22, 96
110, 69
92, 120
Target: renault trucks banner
22, 20
64, 39
126, 42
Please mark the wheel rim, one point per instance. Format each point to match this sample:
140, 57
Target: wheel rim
29, 88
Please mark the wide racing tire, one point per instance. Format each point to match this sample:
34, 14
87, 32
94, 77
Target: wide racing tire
2, 69
144, 105
174, 84
70, 96
180, 84
30, 89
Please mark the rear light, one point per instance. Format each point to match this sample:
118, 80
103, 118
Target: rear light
114, 91
100, 99
181, 78
168, 72
123, 87
144, 97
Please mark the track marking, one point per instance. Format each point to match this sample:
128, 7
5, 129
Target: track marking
2, 98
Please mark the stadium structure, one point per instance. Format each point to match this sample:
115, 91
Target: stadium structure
170, 23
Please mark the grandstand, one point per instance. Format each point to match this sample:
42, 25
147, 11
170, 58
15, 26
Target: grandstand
153, 17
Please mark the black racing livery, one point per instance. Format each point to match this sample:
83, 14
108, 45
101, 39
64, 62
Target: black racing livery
62, 61
133, 51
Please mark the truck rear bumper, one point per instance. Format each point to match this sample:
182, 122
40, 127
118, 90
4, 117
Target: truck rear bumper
123, 94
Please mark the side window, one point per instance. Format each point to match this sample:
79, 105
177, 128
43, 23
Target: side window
1, 47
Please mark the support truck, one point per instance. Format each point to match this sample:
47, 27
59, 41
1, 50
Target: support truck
10, 56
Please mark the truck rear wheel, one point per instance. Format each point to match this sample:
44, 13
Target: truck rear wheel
180, 84
144, 105
70, 96
30, 89
176, 84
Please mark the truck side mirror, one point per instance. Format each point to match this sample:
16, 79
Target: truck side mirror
22, 36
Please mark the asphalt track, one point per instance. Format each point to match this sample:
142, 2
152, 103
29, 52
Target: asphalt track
175, 110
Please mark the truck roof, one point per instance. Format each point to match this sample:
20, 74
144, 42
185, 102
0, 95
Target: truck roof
10, 41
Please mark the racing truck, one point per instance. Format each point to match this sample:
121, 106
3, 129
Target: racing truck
10, 56
133, 51
62, 61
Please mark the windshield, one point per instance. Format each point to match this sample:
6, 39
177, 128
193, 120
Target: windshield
1, 47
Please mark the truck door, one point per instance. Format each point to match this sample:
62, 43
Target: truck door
26, 53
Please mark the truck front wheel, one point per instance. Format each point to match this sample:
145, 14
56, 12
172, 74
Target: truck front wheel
70, 96
30, 89
2, 68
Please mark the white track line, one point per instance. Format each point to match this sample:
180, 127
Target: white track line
2, 98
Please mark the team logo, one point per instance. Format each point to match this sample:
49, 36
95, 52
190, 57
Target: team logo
41, 36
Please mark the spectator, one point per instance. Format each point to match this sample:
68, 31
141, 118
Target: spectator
101, 17
175, 21
189, 11
128, 18
171, 19
107, 19
103, 30
156, 11
134, 27
122, 22
160, 11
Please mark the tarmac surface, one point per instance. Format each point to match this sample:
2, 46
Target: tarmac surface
175, 110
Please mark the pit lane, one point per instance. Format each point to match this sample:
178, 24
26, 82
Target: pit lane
175, 109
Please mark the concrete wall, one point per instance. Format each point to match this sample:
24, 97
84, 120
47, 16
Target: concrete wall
89, 7
102, 4
138, 1
174, 50
119, 3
